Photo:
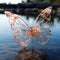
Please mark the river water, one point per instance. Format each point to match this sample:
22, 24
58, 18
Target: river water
9, 48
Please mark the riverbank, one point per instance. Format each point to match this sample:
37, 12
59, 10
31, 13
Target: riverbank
28, 8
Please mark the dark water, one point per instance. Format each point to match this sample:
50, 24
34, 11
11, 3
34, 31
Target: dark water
9, 48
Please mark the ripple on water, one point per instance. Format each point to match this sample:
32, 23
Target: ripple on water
8, 51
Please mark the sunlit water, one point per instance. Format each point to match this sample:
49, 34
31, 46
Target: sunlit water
9, 48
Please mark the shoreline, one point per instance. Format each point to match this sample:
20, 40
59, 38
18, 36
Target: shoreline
28, 8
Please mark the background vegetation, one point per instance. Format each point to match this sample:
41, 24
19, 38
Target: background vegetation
54, 2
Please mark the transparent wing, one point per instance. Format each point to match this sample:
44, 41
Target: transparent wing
20, 28
16, 21
45, 27
44, 37
45, 14
44, 18
22, 37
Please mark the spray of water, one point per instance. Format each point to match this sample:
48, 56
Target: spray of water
23, 32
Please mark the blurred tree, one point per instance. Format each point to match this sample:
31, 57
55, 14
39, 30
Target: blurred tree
28, 0
46, 0
23, 1
56, 2
41, 0
52, 1
36, 0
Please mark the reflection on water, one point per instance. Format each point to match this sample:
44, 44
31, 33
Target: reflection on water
32, 54
9, 48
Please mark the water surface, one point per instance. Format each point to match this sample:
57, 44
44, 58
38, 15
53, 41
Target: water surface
9, 48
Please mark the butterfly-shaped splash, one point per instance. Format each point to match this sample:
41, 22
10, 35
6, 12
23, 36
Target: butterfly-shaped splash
23, 32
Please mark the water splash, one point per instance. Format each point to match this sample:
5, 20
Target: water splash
23, 32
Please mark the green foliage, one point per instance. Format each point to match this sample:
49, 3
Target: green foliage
41, 0
28, 0
46, 0
54, 2
37, 0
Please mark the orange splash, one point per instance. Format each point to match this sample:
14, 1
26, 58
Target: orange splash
46, 13
33, 32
